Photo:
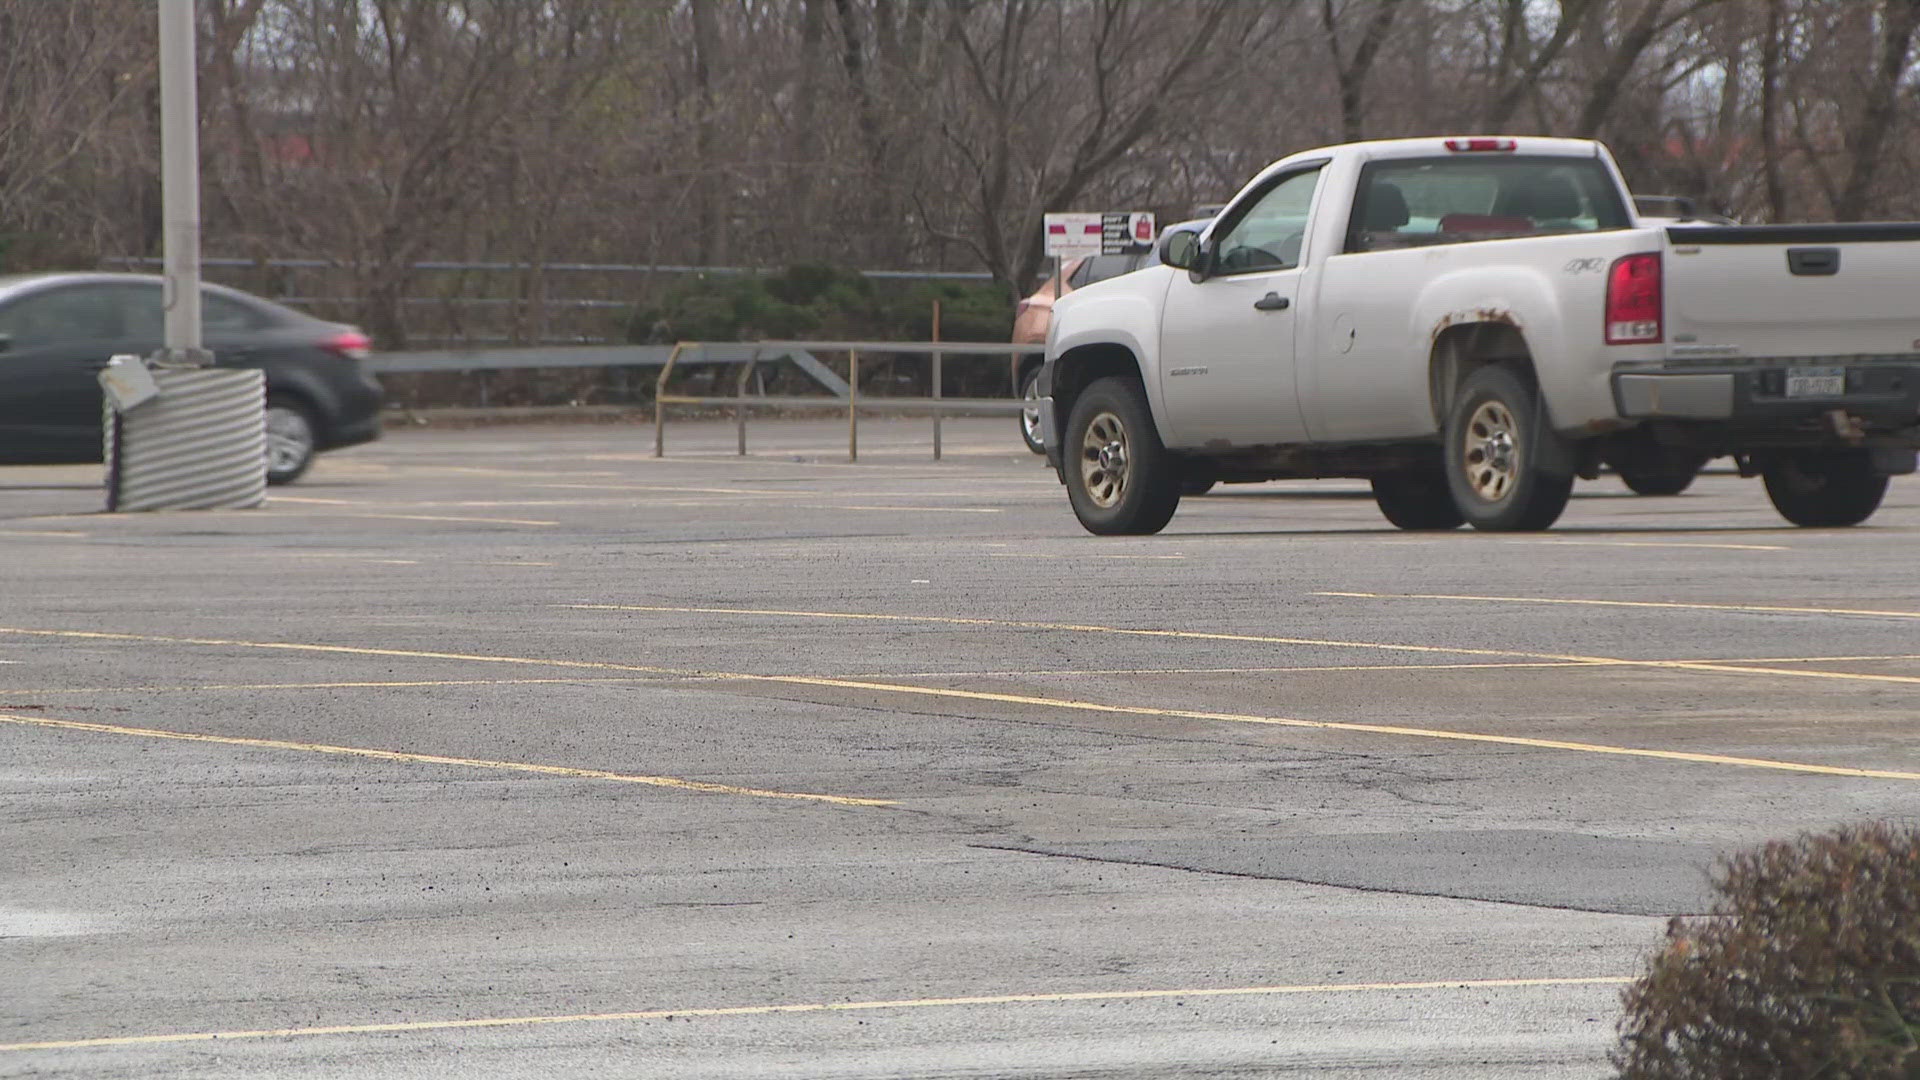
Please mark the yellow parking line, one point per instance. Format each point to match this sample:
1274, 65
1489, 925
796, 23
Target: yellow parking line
349, 650
1188, 635
678, 488
1295, 669
924, 509
1044, 555
1061, 998
1570, 658
367, 516
1669, 604
390, 684
1024, 699
1813, 659
1338, 725
436, 759
1655, 544
446, 517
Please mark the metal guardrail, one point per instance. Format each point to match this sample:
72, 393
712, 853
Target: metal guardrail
562, 267
853, 403
601, 356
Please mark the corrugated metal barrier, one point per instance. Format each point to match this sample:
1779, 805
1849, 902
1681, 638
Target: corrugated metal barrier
199, 445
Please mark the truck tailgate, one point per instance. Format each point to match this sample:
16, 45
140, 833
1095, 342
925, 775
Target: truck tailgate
1787, 291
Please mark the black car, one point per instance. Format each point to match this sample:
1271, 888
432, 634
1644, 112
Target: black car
56, 330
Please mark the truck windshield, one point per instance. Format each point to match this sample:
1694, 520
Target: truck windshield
1461, 198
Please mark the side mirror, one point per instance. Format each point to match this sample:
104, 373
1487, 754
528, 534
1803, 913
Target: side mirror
1180, 249
6, 341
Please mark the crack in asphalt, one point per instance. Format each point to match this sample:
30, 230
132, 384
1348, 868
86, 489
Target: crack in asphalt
1379, 889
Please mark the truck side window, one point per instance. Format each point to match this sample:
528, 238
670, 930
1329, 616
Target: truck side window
1268, 235
1466, 197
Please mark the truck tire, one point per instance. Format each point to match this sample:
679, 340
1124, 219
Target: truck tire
1496, 441
1120, 477
1417, 500
1030, 411
1667, 477
1824, 489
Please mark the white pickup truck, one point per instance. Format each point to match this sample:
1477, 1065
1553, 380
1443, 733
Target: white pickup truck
1471, 323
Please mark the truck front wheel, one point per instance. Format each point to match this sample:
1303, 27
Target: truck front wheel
1497, 440
1120, 478
1832, 488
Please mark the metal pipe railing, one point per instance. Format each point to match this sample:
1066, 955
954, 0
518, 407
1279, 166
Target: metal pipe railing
937, 403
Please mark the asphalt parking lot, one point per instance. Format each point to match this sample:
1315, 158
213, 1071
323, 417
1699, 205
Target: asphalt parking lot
515, 751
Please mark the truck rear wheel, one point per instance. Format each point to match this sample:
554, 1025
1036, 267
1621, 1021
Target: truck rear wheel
1829, 489
1120, 477
1497, 439
1417, 500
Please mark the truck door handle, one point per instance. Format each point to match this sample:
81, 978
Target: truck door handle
1813, 262
1273, 301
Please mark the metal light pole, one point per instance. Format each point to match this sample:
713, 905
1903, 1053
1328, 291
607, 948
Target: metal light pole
180, 182
193, 437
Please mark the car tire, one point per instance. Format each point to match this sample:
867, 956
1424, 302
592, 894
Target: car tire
1120, 478
1197, 485
1825, 489
1666, 478
1497, 445
1030, 415
1418, 501
292, 438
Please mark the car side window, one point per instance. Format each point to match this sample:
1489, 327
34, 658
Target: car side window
1080, 275
225, 314
143, 309
1109, 266
1269, 234
55, 316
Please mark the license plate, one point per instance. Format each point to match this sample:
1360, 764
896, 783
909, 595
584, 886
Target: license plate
1816, 382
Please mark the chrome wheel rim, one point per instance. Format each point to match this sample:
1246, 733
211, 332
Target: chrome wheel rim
1491, 455
1104, 463
1030, 416
289, 440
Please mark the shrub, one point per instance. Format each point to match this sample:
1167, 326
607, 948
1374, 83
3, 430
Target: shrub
1807, 968
818, 301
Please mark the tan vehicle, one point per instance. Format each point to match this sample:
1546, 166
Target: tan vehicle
1032, 316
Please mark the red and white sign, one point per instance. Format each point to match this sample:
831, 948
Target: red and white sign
1069, 236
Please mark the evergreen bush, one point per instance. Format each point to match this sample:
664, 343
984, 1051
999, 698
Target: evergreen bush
1807, 968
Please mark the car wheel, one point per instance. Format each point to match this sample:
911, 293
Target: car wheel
1030, 416
1120, 478
1417, 500
1825, 489
1666, 478
291, 439
1495, 444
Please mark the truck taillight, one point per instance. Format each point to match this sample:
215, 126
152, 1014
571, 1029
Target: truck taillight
1633, 300
1478, 146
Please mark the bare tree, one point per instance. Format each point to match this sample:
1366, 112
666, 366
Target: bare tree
1897, 20
79, 83
1351, 71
